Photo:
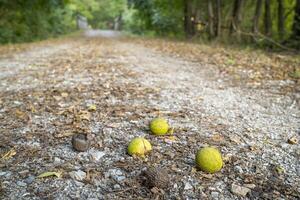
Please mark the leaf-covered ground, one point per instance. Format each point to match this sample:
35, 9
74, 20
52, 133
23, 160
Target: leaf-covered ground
245, 103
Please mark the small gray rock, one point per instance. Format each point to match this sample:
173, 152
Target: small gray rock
78, 175
29, 179
116, 174
239, 190
250, 186
2, 173
78, 183
6, 174
238, 169
214, 195
21, 184
117, 187
97, 155
56, 161
188, 186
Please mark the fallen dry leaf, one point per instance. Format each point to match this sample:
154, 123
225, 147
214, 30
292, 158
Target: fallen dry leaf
8, 155
92, 107
47, 174
21, 115
84, 115
293, 140
279, 169
171, 131
64, 134
57, 98
217, 138
170, 139
64, 94
194, 170
235, 139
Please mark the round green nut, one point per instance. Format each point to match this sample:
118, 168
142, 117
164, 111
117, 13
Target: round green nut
159, 126
209, 159
139, 146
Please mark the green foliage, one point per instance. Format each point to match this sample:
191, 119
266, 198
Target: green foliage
83, 7
27, 20
160, 16
30, 20
107, 12
133, 22
167, 17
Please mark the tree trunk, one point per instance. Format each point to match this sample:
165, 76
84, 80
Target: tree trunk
267, 18
236, 18
210, 19
280, 19
118, 22
186, 17
258, 10
188, 23
218, 18
296, 23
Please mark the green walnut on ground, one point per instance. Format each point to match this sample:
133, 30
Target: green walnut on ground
139, 146
209, 159
159, 126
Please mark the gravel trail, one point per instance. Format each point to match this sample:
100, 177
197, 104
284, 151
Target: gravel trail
46, 95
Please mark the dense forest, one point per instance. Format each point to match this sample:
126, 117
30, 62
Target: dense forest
271, 23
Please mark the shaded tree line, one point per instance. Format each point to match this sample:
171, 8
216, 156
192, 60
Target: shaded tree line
262, 22
28, 20
237, 20
263, 13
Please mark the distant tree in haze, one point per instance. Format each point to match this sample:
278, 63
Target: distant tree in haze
280, 24
296, 23
188, 18
258, 11
236, 17
218, 18
267, 18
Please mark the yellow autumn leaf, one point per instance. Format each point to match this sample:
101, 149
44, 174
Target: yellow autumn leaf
92, 107
217, 137
20, 114
84, 115
32, 108
279, 169
64, 134
9, 154
194, 170
293, 140
47, 174
57, 98
172, 138
171, 131
64, 94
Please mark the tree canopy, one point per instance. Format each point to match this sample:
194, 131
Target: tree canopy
258, 21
